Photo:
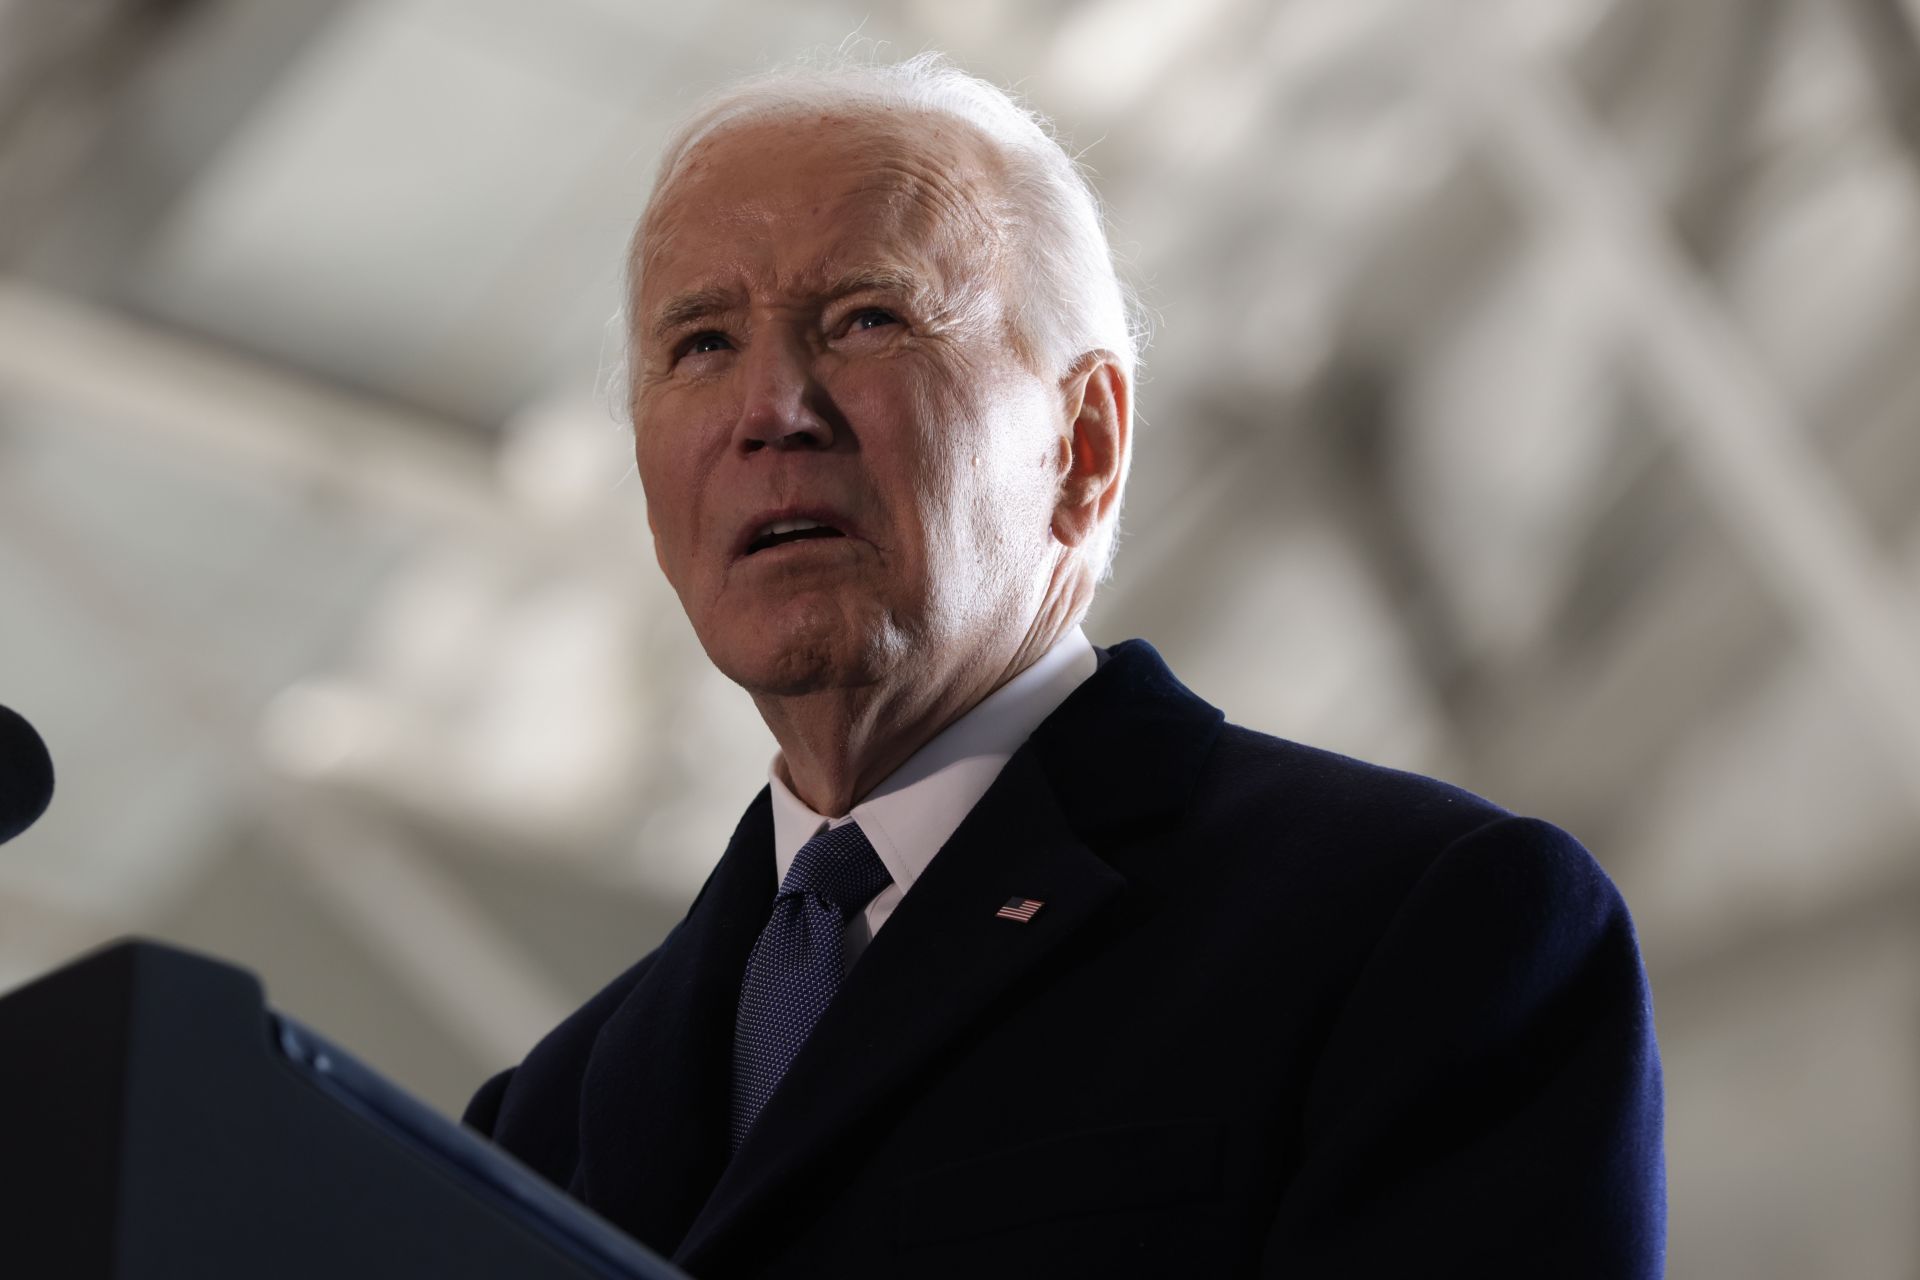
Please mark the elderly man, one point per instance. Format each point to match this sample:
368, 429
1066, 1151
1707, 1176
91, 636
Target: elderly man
1025, 962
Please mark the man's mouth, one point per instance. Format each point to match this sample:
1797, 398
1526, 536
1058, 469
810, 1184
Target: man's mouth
780, 532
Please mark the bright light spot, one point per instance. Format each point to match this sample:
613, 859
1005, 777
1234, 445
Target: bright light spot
311, 729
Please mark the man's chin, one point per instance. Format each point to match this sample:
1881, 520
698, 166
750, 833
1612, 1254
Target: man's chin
770, 660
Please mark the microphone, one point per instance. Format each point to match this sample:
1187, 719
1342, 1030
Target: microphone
26, 775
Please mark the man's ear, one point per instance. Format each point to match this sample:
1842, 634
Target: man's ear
1099, 418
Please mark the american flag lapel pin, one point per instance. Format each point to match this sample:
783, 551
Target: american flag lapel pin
1021, 909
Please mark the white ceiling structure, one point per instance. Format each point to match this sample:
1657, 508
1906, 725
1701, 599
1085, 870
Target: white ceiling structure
1533, 400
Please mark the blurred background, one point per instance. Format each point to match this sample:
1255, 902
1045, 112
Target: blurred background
1534, 401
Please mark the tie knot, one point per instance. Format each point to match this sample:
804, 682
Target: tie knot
839, 866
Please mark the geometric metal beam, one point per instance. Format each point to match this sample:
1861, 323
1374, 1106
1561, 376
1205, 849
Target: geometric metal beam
1889, 47
111, 373
437, 940
1729, 423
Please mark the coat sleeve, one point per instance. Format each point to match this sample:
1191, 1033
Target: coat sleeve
1489, 1100
484, 1110
533, 1109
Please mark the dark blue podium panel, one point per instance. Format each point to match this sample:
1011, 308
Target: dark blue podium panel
158, 1120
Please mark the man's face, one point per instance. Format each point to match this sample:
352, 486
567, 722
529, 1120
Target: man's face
850, 472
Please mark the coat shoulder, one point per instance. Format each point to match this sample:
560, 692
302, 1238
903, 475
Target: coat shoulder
1258, 782
1278, 824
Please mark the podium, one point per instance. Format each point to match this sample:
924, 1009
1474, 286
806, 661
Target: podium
157, 1119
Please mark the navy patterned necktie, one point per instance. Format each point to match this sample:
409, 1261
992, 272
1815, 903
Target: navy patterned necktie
794, 970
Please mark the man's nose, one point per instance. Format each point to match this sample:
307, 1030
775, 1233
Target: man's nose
783, 406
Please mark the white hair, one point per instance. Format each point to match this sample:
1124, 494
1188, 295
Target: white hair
1070, 299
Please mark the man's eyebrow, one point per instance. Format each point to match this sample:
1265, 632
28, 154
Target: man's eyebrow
685, 308
698, 304
879, 279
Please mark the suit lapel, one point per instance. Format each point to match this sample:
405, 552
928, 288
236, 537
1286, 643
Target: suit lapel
931, 977
654, 1102
1123, 749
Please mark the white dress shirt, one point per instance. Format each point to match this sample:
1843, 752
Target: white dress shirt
910, 814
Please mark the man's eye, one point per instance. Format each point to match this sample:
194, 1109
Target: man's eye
702, 343
872, 318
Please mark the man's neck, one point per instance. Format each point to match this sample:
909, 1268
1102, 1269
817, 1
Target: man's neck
837, 744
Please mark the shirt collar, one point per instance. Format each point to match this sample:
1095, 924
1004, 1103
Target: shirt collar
909, 816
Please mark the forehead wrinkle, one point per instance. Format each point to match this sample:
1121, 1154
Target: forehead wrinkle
924, 197
915, 186
943, 178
